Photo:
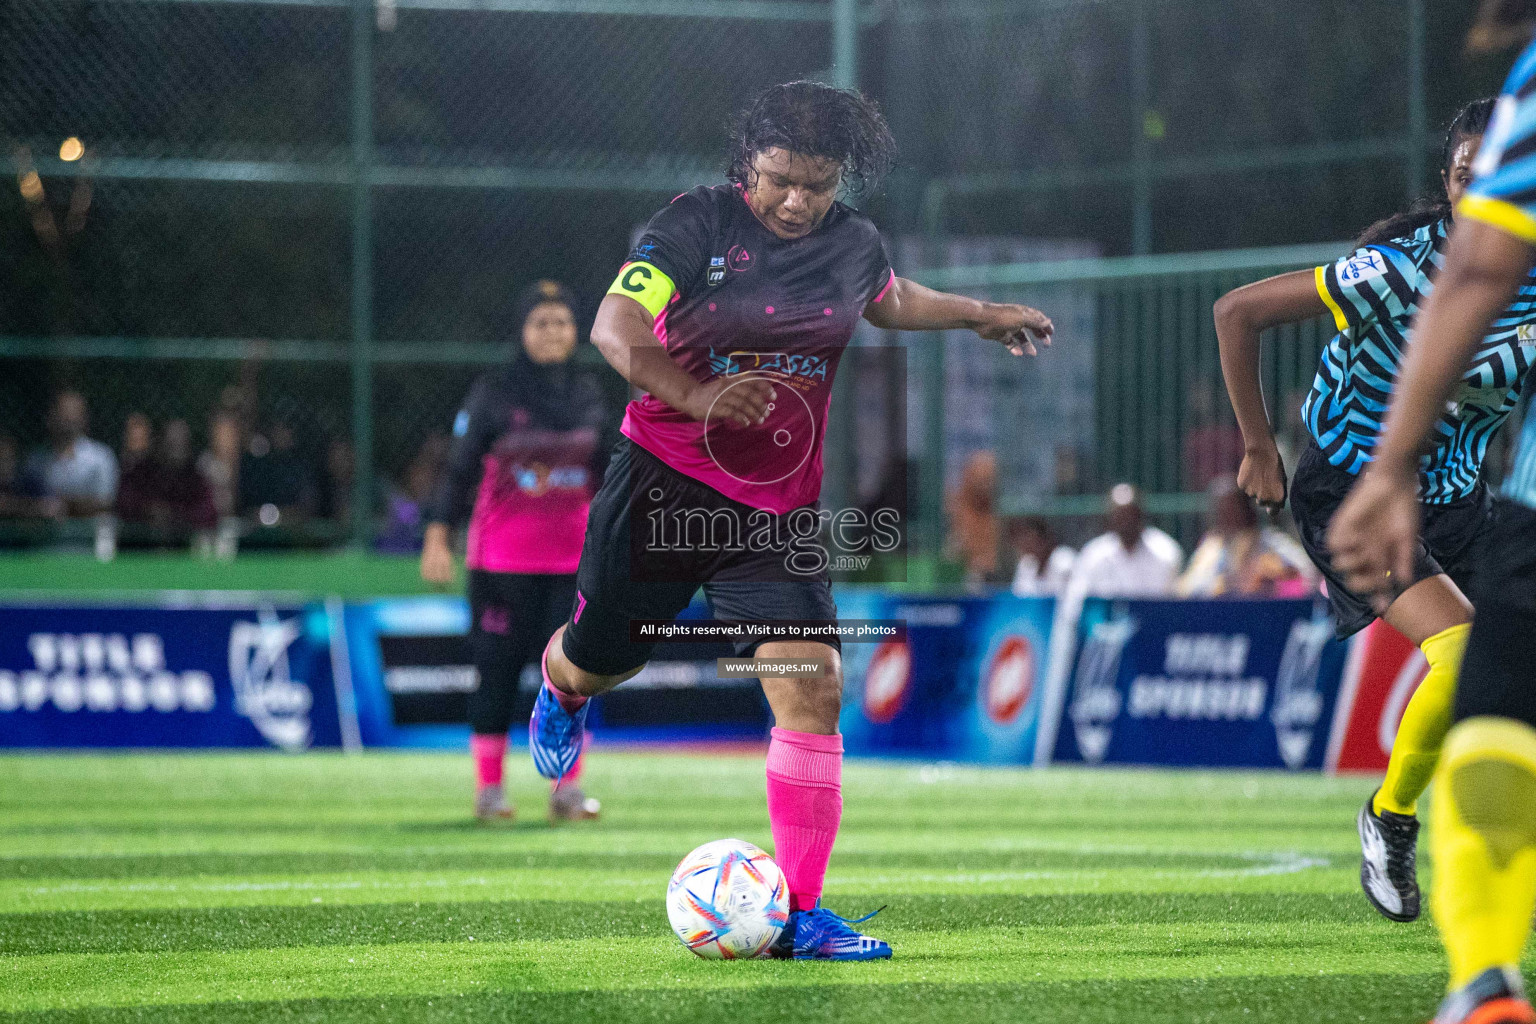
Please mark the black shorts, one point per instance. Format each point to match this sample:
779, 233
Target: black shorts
654, 536
1449, 539
1498, 672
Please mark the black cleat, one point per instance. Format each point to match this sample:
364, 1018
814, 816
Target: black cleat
1388, 851
1497, 996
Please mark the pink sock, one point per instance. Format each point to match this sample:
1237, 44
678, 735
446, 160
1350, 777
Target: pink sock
488, 749
570, 701
805, 806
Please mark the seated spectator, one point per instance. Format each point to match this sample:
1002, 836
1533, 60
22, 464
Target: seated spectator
75, 475
1239, 558
138, 442
220, 461
403, 524
1131, 560
14, 501
277, 484
1213, 444
166, 491
973, 527
335, 496
1044, 566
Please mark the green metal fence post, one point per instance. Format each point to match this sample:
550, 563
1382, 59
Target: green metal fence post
362, 272
1418, 117
845, 43
1141, 145
842, 465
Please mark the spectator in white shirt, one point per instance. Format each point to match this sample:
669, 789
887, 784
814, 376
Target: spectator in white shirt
76, 475
1131, 560
1044, 566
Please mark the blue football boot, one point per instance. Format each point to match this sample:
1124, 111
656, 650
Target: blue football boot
819, 934
555, 736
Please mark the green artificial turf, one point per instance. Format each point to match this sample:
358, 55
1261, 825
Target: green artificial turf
327, 887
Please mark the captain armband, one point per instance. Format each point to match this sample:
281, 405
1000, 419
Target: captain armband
644, 283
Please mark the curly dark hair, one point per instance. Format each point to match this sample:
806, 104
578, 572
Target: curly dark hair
1470, 120
816, 120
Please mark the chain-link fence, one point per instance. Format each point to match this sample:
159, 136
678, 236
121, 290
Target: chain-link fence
311, 215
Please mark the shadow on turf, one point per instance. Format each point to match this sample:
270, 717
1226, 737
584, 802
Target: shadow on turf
1332, 999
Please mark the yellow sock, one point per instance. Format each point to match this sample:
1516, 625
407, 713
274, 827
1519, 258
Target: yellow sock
1483, 839
1416, 750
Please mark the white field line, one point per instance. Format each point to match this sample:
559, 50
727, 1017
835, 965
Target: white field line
1274, 863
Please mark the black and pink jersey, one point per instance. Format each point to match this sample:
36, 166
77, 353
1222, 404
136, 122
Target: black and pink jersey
534, 438
745, 301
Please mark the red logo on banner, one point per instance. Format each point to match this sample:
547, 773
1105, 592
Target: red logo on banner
1382, 673
1009, 680
887, 681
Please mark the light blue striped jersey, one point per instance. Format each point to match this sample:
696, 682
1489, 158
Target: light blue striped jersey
1504, 195
1374, 294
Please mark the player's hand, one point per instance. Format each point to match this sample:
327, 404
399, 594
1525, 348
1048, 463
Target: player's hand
436, 558
1375, 533
744, 401
1262, 477
1017, 327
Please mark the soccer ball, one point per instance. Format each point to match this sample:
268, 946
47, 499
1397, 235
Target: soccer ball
727, 900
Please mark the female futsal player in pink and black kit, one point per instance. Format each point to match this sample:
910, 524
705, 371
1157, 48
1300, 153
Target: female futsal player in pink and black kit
529, 437
731, 314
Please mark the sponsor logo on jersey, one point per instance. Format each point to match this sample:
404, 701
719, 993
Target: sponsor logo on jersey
1526, 334
1009, 679
887, 681
739, 259
716, 270
536, 478
1366, 265
790, 364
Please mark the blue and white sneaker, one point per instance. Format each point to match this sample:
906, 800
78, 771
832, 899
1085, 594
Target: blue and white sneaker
555, 736
819, 934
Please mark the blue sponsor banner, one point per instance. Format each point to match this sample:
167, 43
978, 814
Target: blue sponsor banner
118, 676
412, 671
964, 685
1203, 683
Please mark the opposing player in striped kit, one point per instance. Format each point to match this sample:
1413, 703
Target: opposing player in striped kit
1372, 296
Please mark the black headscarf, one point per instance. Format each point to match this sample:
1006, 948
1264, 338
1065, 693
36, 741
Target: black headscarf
544, 388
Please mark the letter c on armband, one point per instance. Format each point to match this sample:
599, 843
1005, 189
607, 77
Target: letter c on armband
646, 284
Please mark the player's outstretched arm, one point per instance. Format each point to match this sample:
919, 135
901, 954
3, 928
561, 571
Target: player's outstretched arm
909, 306
1375, 530
623, 333
1242, 316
